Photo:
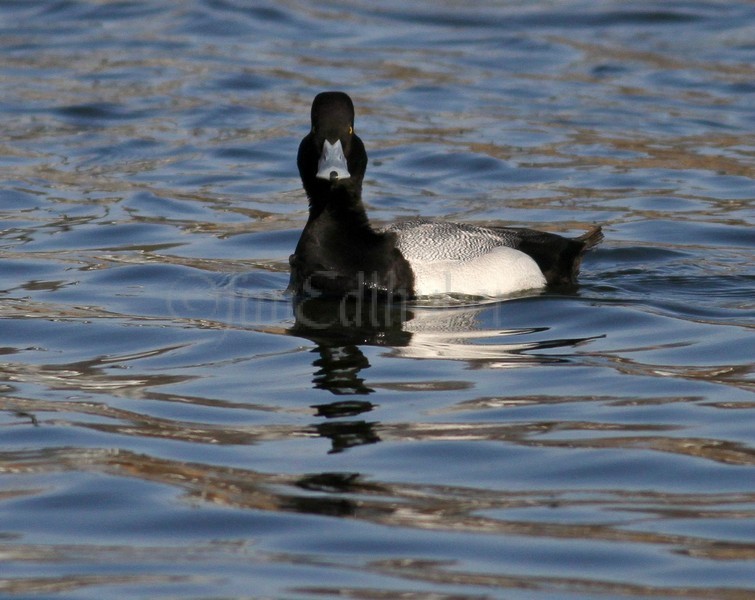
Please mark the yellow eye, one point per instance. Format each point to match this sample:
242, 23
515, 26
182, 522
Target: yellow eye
351, 130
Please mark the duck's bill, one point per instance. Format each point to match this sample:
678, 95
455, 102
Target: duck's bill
332, 165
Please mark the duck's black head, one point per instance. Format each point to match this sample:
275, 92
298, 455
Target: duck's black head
332, 158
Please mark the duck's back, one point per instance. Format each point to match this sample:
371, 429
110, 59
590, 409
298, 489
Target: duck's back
451, 257
499, 253
429, 240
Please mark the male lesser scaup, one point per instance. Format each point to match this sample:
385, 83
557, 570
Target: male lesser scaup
340, 253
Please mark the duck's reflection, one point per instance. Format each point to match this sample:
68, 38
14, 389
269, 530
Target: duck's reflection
347, 434
351, 321
341, 328
339, 370
338, 328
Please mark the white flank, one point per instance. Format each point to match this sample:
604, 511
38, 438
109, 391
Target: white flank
498, 272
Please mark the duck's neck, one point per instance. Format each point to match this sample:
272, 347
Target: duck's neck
340, 203
339, 253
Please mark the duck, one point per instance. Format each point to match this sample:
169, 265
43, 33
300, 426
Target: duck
340, 253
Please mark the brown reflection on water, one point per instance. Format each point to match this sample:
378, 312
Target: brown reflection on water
345, 434
627, 516
736, 376
141, 425
55, 585
425, 506
712, 153
599, 435
449, 573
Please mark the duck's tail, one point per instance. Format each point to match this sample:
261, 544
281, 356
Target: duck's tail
559, 258
579, 246
591, 239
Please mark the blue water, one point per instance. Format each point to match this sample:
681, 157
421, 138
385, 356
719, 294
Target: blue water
170, 425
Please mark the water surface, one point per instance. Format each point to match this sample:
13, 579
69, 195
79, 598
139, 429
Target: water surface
173, 427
